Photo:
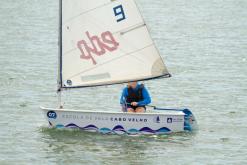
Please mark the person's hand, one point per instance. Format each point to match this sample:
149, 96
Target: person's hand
134, 103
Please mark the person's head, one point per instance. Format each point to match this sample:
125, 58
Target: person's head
132, 84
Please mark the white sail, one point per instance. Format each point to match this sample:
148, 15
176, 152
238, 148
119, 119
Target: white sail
105, 42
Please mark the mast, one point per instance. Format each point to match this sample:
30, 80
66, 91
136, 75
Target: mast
59, 76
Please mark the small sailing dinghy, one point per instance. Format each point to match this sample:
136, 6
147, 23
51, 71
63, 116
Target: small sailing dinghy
105, 42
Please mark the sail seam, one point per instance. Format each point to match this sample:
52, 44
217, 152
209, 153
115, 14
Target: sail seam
136, 26
127, 54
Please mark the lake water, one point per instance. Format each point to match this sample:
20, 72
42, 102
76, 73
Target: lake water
204, 44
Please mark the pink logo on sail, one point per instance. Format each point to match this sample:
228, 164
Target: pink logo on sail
99, 46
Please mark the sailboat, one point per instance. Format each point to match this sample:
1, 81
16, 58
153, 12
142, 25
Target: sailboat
106, 42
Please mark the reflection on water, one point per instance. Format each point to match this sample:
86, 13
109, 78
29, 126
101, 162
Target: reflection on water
109, 148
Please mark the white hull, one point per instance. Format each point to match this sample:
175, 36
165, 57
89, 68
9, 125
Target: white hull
160, 122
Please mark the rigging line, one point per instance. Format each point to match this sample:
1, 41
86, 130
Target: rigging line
110, 61
87, 11
122, 32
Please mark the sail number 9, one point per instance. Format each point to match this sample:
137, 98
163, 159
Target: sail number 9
119, 13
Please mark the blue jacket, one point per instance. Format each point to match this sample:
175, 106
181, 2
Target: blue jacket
146, 96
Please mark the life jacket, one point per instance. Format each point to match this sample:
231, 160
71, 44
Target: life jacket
134, 95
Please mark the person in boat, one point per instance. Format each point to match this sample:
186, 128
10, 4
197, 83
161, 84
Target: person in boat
135, 97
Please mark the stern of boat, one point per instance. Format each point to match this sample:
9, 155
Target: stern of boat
190, 123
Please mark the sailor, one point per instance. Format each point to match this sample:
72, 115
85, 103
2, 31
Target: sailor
134, 98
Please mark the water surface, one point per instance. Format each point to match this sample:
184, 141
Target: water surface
204, 44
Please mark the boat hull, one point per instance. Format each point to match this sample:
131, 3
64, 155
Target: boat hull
164, 122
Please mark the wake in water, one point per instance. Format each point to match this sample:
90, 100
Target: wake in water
61, 133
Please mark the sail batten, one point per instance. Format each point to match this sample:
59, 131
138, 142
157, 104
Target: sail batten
106, 43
